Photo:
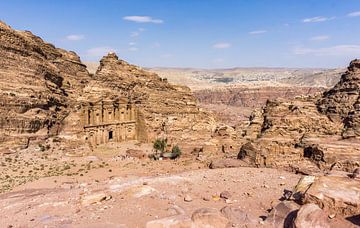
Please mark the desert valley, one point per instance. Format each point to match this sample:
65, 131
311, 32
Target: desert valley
111, 144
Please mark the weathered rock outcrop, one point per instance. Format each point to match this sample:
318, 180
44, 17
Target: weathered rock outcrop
343, 101
42, 90
318, 132
165, 110
39, 86
253, 97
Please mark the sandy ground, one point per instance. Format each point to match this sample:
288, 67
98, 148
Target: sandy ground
140, 192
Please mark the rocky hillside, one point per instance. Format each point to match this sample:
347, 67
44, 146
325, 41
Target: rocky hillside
309, 132
251, 97
234, 104
38, 86
41, 88
166, 110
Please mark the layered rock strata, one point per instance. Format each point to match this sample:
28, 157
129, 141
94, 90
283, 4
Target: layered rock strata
43, 90
318, 132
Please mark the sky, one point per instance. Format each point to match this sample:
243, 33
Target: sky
197, 33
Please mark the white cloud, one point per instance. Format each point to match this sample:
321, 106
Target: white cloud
317, 19
99, 51
338, 50
320, 38
257, 32
354, 14
132, 43
133, 49
221, 45
143, 19
75, 37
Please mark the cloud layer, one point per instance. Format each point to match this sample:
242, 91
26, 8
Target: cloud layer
354, 14
317, 19
221, 45
143, 19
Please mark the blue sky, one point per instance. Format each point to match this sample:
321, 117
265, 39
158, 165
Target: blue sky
197, 33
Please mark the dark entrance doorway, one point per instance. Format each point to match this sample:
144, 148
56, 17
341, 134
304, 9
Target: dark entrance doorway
110, 135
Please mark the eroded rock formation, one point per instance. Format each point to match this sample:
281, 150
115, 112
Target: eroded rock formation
43, 91
39, 86
318, 132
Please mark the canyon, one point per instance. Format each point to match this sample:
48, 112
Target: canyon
259, 147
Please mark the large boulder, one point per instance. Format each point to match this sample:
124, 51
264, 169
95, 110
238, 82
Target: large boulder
283, 214
335, 194
209, 218
310, 215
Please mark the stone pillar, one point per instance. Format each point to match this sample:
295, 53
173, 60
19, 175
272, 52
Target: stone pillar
85, 117
133, 115
116, 113
104, 136
92, 121
122, 114
117, 134
102, 113
122, 132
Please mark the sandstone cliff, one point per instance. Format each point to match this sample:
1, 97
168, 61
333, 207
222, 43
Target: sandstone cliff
43, 87
39, 86
165, 110
318, 132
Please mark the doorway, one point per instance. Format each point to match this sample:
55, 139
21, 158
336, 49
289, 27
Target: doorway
110, 135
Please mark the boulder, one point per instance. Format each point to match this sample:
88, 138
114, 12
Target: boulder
310, 215
227, 163
283, 214
335, 194
209, 218
237, 216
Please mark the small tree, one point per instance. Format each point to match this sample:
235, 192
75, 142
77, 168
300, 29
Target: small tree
176, 151
160, 145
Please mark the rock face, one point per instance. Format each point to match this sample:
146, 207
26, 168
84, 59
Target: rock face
43, 91
251, 97
318, 133
234, 104
335, 194
39, 86
164, 110
343, 101
310, 215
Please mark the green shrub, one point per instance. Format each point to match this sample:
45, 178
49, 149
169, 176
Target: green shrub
176, 151
160, 145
